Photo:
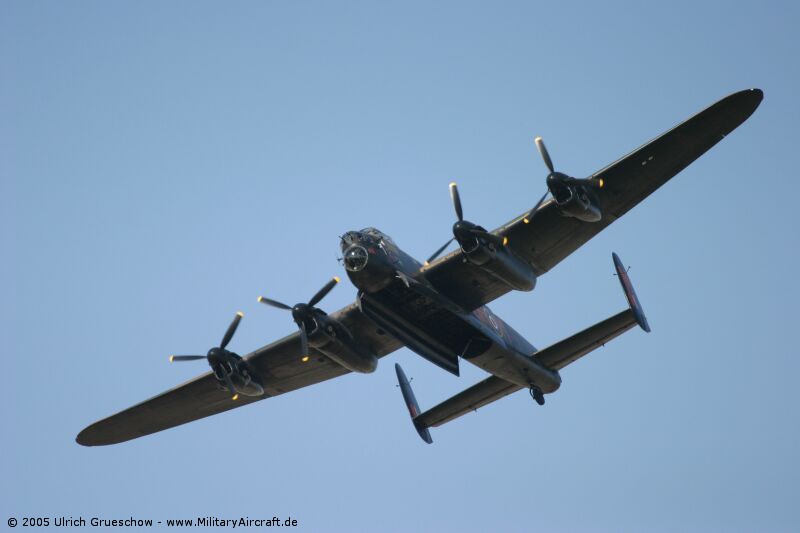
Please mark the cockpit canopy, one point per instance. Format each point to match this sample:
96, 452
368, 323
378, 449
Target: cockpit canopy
376, 234
366, 236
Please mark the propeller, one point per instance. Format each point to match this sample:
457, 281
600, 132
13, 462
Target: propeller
463, 230
303, 313
555, 179
217, 355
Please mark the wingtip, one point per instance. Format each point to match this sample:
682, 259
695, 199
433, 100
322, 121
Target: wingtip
755, 94
84, 437
745, 101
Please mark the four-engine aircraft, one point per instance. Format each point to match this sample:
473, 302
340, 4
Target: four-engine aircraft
438, 308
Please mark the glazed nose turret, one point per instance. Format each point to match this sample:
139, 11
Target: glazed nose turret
355, 258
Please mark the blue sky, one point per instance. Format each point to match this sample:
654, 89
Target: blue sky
163, 164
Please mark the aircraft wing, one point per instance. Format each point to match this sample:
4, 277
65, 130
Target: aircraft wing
550, 237
279, 365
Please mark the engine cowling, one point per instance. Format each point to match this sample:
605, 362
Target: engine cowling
574, 197
503, 264
577, 202
333, 340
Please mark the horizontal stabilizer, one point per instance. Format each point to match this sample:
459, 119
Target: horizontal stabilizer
483, 393
573, 348
480, 394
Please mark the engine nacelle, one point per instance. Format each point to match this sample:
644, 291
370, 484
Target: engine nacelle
578, 202
244, 380
333, 340
503, 264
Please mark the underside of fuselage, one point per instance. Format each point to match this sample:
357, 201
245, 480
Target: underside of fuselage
394, 293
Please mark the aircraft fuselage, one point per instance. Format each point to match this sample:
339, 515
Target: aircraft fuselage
394, 293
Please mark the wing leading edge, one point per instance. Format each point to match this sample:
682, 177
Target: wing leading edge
551, 237
279, 364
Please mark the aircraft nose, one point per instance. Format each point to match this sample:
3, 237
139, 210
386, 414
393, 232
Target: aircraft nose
350, 238
355, 258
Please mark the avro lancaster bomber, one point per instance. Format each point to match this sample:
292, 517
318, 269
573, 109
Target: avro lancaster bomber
438, 308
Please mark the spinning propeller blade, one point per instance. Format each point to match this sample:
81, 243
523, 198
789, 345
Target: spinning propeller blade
530, 214
323, 292
225, 340
215, 354
556, 178
439, 251
231, 330
274, 303
465, 228
303, 312
303, 338
545, 155
229, 384
456, 201
173, 358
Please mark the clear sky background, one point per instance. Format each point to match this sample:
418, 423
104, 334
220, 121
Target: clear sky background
162, 164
